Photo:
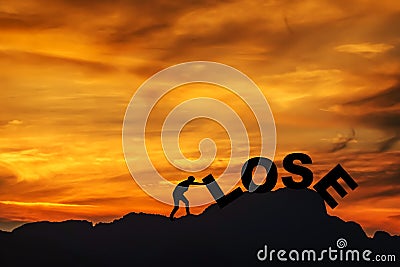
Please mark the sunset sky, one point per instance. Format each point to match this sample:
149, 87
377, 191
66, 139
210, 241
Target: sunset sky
330, 71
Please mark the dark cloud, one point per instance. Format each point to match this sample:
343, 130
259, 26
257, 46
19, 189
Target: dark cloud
388, 193
12, 21
125, 34
307, 41
99, 201
388, 143
342, 141
382, 183
136, 20
147, 70
381, 111
44, 59
384, 99
151, 6
386, 174
396, 217
11, 149
40, 191
7, 177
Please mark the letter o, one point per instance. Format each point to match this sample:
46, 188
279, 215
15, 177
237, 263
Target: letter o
271, 178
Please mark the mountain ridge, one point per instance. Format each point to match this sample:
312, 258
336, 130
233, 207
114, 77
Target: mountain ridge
285, 218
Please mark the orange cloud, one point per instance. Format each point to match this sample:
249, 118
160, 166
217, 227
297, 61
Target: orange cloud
364, 49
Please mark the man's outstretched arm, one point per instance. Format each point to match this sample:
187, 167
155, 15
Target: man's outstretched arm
197, 183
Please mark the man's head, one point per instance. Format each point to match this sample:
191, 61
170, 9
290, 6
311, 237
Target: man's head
191, 178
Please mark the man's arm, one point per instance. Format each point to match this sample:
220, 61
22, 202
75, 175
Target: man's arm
197, 183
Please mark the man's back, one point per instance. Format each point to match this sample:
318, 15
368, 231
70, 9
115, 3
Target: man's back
185, 183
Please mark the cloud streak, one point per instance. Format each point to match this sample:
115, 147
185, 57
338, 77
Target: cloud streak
364, 49
43, 204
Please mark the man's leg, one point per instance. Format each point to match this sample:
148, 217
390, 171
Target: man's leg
174, 210
186, 201
176, 207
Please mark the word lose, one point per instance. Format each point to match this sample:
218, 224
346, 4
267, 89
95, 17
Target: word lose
329, 180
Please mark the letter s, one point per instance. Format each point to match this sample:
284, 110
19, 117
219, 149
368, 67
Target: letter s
297, 169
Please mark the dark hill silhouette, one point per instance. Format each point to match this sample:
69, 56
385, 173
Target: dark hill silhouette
288, 219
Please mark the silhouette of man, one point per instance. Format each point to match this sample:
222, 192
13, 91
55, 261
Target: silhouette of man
181, 188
